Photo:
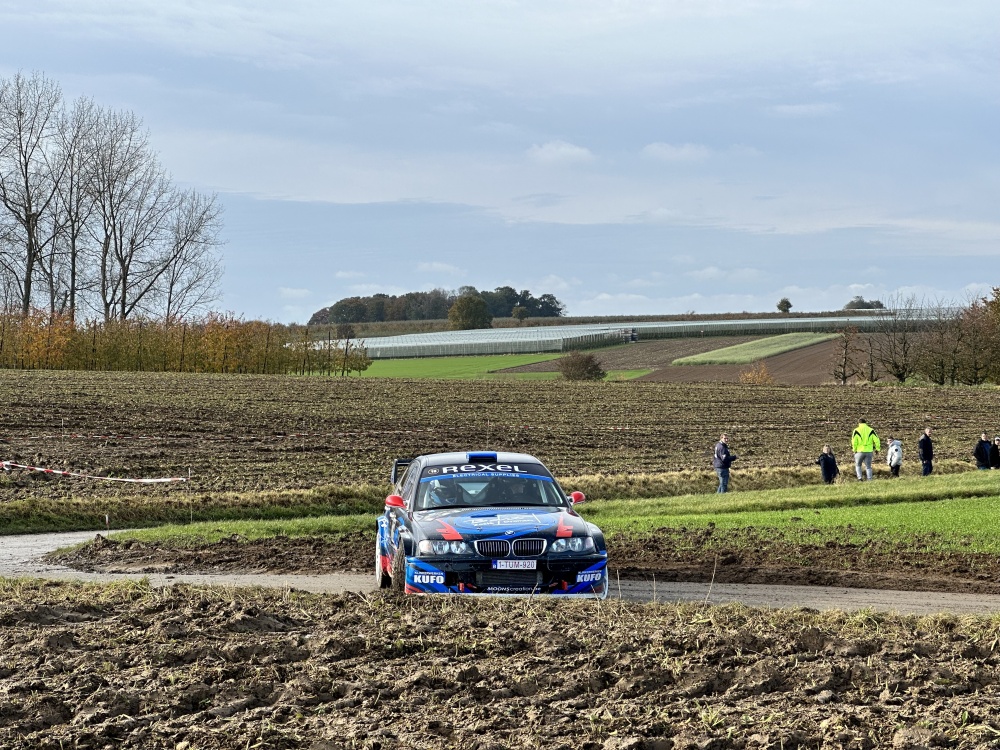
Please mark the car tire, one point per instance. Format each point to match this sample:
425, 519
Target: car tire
382, 579
399, 570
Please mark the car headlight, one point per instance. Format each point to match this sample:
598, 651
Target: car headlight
442, 547
573, 544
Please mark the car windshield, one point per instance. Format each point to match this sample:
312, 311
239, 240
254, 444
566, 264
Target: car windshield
483, 489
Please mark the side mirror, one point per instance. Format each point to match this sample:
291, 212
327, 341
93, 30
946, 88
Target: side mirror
577, 497
394, 501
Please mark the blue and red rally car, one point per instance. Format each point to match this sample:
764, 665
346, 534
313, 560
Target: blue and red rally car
486, 523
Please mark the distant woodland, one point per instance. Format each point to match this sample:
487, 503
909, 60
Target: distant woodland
502, 302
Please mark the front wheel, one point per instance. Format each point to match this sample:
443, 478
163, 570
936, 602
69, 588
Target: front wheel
381, 577
399, 570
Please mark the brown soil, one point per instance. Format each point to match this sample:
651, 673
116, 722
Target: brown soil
185, 668
736, 556
811, 365
654, 354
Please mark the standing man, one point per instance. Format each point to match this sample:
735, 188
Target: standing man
982, 452
864, 442
721, 461
925, 447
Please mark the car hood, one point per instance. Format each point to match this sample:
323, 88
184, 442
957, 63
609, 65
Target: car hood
484, 523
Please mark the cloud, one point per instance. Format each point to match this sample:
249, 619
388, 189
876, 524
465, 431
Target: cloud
349, 275
819, 109
714, 273
366, 290
540, 200
435, 267
288, 293
671, 153
560, 153
653, 279
553, 283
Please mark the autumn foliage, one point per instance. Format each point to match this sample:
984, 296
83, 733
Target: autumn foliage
216, 342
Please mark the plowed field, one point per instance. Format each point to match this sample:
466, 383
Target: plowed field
811, 365
187, 668
201, 669
256, 433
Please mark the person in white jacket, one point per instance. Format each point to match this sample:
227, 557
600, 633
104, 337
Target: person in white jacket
894, 456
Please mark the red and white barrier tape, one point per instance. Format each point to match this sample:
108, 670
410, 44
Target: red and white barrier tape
8, 465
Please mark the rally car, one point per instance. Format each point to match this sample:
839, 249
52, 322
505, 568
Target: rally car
486, 523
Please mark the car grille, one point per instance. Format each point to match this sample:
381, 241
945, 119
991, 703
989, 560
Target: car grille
493, 547
502, 547
529, 547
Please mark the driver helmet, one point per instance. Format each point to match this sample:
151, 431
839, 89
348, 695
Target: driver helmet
441, 493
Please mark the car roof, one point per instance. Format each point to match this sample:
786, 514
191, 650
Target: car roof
473, 457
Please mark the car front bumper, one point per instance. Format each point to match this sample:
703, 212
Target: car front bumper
580, 576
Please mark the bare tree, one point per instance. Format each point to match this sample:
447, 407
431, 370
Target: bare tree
134, 204
869, 358
846, 365
30, 172
897, 336
76, 137
938, 353
977, 351
191, 276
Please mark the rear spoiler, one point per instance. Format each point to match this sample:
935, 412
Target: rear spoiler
398, 467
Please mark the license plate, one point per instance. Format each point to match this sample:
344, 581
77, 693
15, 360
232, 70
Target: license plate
515, 564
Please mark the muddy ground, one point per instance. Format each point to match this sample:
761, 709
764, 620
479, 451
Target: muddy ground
731, 556
811, 365
187, 668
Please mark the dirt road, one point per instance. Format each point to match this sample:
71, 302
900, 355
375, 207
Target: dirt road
21, 556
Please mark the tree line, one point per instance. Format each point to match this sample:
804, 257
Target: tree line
213, 342
91, 224
502, 302
937, 342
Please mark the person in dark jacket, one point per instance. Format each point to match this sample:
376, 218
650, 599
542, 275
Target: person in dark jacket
925, 449
721, 461
982, 452
828, 465
995, 454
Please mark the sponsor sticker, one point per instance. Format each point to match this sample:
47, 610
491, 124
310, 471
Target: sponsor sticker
477, 468
591, 577
428, 578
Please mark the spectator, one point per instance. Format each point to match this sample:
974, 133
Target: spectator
864, 442
828, 465
894, 456
995, 454
925, 449
721, 461
982, 452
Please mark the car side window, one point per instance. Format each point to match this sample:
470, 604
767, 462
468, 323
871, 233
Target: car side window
408, 481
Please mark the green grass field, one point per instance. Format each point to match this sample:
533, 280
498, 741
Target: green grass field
752, 351
475, 368
957, 511
459, 368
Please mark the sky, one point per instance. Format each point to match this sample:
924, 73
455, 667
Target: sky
630, 157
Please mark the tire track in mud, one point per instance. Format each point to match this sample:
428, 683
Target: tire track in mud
21, 556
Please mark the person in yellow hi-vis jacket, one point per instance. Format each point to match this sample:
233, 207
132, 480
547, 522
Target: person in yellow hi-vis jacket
864, 442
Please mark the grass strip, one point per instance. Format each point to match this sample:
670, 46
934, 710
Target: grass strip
453, 368
752, 351
956, 512
669, 493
